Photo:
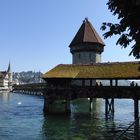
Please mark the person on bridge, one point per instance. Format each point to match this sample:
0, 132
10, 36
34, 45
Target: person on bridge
101, 84
132, 84
136, 85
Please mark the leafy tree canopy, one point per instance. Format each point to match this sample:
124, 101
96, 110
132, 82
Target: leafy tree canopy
128, 28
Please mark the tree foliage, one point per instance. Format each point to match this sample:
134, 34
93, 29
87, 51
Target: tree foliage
128, 28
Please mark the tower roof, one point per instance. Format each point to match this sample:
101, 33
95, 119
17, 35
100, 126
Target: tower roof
9, 67
86, 34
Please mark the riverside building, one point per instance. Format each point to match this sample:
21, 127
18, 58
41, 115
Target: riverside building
6, 79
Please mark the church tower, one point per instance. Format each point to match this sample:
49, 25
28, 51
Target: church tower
10, 79
87, 46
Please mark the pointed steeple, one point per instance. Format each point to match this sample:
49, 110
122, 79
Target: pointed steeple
86, 34
9, 68
10, 76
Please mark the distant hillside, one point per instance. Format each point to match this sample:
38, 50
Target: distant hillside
27, 77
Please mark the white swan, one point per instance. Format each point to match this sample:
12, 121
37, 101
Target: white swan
19, 103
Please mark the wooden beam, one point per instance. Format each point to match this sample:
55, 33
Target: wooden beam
83, 82
112, 102
109, 108
136, 117
46, 106
136, 108
106, 108
67, 107
90, 82
111, 82
116, 82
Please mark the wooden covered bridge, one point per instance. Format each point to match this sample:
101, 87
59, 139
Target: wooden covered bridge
70, 81
31, 89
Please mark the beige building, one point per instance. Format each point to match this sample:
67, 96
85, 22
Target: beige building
6, 79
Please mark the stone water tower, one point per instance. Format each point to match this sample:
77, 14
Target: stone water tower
87, 46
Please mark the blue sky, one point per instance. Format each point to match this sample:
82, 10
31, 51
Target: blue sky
35, 34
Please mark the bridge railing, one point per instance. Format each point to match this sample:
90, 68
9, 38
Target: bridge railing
33, 85
96, 91
82, 92
34, 88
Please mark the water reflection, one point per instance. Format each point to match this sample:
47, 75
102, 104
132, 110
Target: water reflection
26, 121
82, 106
80, 125
5, 96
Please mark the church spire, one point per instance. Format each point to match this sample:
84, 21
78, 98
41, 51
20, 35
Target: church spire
10, 76
9, 67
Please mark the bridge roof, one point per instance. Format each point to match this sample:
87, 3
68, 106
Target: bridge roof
114, 70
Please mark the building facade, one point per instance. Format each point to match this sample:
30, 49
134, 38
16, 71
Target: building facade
6, 79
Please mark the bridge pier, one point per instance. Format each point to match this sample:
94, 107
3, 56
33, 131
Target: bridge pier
50, 106
67, 107
46, 106
136, 118
90, 105
109, 104
109, 108
136, 108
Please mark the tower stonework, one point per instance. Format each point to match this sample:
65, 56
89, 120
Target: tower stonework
87, 46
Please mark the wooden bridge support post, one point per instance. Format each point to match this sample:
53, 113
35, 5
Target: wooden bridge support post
109, 108
106, 108
67, 107
90, 83
116, 82
136, 117
46, 106
90, 105
111, 82
136, 109
113, 106
83, 83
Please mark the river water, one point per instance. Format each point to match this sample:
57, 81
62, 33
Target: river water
21, 118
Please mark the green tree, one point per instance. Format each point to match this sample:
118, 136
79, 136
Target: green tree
128, 28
